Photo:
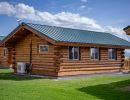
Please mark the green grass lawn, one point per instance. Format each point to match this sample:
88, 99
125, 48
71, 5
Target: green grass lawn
14, 87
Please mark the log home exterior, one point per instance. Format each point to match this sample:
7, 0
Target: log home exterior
58, 51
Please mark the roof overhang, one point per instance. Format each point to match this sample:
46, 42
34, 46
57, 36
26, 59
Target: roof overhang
91, 45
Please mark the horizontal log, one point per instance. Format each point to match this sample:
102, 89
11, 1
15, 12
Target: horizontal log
91, 66
86, 72
50, 67
89, 62
41, 59
44, 72
45, 69
89, 69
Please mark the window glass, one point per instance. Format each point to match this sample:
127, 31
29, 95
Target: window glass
112, 54
70, 52
5, 51
94, 53
76, 53
73, 53
43, 48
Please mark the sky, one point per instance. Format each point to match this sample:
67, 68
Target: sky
97, 15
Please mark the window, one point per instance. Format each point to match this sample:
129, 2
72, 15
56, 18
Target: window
94, 53
73, 53
112, 54
43, 48
5, 51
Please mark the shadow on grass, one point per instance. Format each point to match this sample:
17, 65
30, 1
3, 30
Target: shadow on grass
12, 76
110, 91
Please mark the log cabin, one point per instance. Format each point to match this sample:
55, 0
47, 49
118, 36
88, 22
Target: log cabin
57, 51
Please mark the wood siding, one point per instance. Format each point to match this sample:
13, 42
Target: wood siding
4, 60
85, 65
42, 63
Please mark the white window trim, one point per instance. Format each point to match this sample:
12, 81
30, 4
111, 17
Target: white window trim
43, 45
94, 55
111, 54
73, 52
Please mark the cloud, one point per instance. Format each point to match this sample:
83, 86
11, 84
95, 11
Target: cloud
116, 31
82, 7
25, 12
66, 19
6, 8
84, 0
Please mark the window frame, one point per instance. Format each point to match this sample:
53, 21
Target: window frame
115, 54
95, 53
73, 53
39, 51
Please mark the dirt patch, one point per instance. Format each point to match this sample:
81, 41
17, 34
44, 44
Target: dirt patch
126, 88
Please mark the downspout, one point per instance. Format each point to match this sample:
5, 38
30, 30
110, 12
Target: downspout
28, 66
30, 60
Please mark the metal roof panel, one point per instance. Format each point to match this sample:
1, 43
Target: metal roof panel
76, 35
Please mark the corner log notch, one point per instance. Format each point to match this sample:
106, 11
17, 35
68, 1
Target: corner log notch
57, 53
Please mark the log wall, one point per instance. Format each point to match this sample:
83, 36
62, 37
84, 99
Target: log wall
42, 63
85, 65
4, 61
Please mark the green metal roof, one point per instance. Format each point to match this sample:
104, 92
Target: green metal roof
1, 38
75, 35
